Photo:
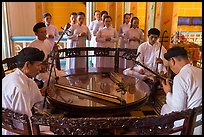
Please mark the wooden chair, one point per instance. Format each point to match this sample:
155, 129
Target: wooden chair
10, 63
146, 125
9, 117
193, 123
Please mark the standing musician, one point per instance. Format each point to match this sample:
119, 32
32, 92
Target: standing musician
186, 92
149, 57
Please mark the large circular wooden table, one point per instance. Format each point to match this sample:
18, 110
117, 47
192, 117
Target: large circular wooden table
98, 93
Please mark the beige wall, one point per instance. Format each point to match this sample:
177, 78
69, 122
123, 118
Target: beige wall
22, 18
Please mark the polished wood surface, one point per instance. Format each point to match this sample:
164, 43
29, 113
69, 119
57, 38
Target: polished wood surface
98, 92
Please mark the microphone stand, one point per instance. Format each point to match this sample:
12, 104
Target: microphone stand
52, 64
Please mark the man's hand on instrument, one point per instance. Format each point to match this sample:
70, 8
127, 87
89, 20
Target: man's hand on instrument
166, 86
159, 61
49, 90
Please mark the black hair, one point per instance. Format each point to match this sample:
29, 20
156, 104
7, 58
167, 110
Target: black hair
38, 26
134, 18
73, 13
103, 12
176, 52
30, 54
154, 31
96, 11
126, 14
81, 13
47, 14
107, 17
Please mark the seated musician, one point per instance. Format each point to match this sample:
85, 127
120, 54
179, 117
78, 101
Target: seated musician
149, 53
19, 90
186, 92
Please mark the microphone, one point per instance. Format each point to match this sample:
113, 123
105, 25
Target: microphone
65, 30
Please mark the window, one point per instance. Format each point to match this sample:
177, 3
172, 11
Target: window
190, 21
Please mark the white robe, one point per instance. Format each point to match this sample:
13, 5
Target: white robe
122, 32
133, 44
98, 27
77, 42
69, 45
45, 76
52, 30
100, 37
186, 93
92, 27
19, 93
148, 57
45, 46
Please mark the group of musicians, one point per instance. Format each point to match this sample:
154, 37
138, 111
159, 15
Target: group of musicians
20, 92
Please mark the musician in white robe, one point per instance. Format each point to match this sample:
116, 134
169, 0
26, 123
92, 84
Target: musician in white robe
122, 30
52, 31
100, 25
79, 33
92, 26
19, 90
186, 92
107, 37
149, 53
133, 38
41, 42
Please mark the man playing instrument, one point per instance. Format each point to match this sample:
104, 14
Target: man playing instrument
186, 92
149, 52
19, 90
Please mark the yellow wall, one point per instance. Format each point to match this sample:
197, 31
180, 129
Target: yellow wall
141, 11
60, 11
190, 9
102, 6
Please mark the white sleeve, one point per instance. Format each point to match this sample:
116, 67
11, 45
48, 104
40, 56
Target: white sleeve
115, 38
120, 32
178, 98
88, 34
96, 29
21, 103
99, 37
140, 58
133, 73
56, 35
91, 27
71, 34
